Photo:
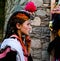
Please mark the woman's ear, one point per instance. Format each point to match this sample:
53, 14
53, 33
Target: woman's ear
18, 26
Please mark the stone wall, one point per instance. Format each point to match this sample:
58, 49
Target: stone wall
40, 31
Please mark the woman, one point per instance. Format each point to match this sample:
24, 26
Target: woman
17, 36
54, 45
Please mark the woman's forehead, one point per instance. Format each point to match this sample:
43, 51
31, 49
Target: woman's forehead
26, 22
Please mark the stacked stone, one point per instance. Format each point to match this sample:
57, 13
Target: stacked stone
40, 32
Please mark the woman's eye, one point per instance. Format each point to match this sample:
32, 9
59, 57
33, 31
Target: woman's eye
28, 24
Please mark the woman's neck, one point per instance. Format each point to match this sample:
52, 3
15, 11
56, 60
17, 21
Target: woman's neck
19, 33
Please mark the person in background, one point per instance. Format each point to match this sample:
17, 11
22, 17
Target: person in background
54, 46
55, 6
17, 36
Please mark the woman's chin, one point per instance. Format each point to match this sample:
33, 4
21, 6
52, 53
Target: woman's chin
26, 33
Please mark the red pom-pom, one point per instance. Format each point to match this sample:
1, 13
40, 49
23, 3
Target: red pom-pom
30, 6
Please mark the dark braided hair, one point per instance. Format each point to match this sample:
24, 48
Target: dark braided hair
56, 22
57, 0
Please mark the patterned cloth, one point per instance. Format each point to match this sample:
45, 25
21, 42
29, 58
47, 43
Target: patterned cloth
15, 45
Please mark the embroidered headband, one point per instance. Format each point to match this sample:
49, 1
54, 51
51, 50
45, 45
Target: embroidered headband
22, 16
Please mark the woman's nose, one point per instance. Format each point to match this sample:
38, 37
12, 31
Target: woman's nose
30, 28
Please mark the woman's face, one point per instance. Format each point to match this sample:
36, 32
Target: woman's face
26, 27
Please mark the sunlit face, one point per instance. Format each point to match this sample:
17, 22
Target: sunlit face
26, 27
